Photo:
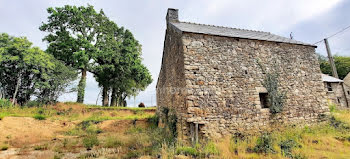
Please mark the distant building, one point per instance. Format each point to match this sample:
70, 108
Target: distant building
213, 78
337, 92
347, 79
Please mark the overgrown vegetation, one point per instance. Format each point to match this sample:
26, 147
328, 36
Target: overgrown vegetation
276, 98
264, 144
142, 137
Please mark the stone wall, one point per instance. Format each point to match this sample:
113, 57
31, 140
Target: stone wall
215, 82
337, 95
171, 80
224, 77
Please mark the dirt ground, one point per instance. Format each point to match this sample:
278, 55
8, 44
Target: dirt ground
19, 131
24, 133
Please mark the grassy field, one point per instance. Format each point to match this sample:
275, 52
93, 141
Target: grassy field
71, 130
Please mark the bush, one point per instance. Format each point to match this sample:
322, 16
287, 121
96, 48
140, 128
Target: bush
211, 149
33, 104
153, 121
287, 147
39, 117
332, 107
112, 142
338, 124
4, 148
5, 103
90, 141
41, 147
188, 151
264, 144
132, 155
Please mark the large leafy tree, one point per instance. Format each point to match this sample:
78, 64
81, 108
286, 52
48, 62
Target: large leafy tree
130, 75
342, 63
73, 35
26, 71
118, 66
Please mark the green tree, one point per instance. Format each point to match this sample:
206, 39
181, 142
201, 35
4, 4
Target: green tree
118, 67
73, 35
56, 82
24, 69
130, 75
342, 63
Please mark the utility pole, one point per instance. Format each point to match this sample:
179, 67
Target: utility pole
330, 59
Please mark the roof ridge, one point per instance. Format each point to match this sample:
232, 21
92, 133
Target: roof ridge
217, 26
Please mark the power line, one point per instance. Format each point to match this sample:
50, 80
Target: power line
333, 34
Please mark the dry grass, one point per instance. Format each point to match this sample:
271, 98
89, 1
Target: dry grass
125, 133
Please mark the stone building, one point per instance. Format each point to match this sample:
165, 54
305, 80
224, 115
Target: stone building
337, 91
212, 77
347, 80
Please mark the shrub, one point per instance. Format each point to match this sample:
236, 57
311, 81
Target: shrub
132, 155
338, 124
211, 149
332, 107
90, 141
39, 117
41, 147
264, 144
5, 103
153, 121
4, 148
188, 151
287, 147
34, 103
275, 97
112, 142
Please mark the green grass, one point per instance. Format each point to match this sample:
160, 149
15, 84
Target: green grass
39, 117
119, 108
17, 111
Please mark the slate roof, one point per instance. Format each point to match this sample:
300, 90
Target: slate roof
326, 78
233, 32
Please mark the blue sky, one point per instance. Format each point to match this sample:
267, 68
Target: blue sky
310, 21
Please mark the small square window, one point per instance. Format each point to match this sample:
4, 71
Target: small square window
263, 100
348, 92
329, 87
339, 99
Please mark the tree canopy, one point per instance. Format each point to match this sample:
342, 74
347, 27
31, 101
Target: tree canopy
342, 63
80, 40
119, 67
73, 35
26, 71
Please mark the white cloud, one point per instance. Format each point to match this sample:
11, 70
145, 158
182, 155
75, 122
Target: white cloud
257, 14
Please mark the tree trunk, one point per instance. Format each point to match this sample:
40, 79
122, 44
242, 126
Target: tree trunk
17, 87
81, 86
114, 97
105, 96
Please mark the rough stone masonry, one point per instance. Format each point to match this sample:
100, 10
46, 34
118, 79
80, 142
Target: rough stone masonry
212, 77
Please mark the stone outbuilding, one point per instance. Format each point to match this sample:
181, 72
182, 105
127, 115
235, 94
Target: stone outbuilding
337, 91
347, 80
212, 77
